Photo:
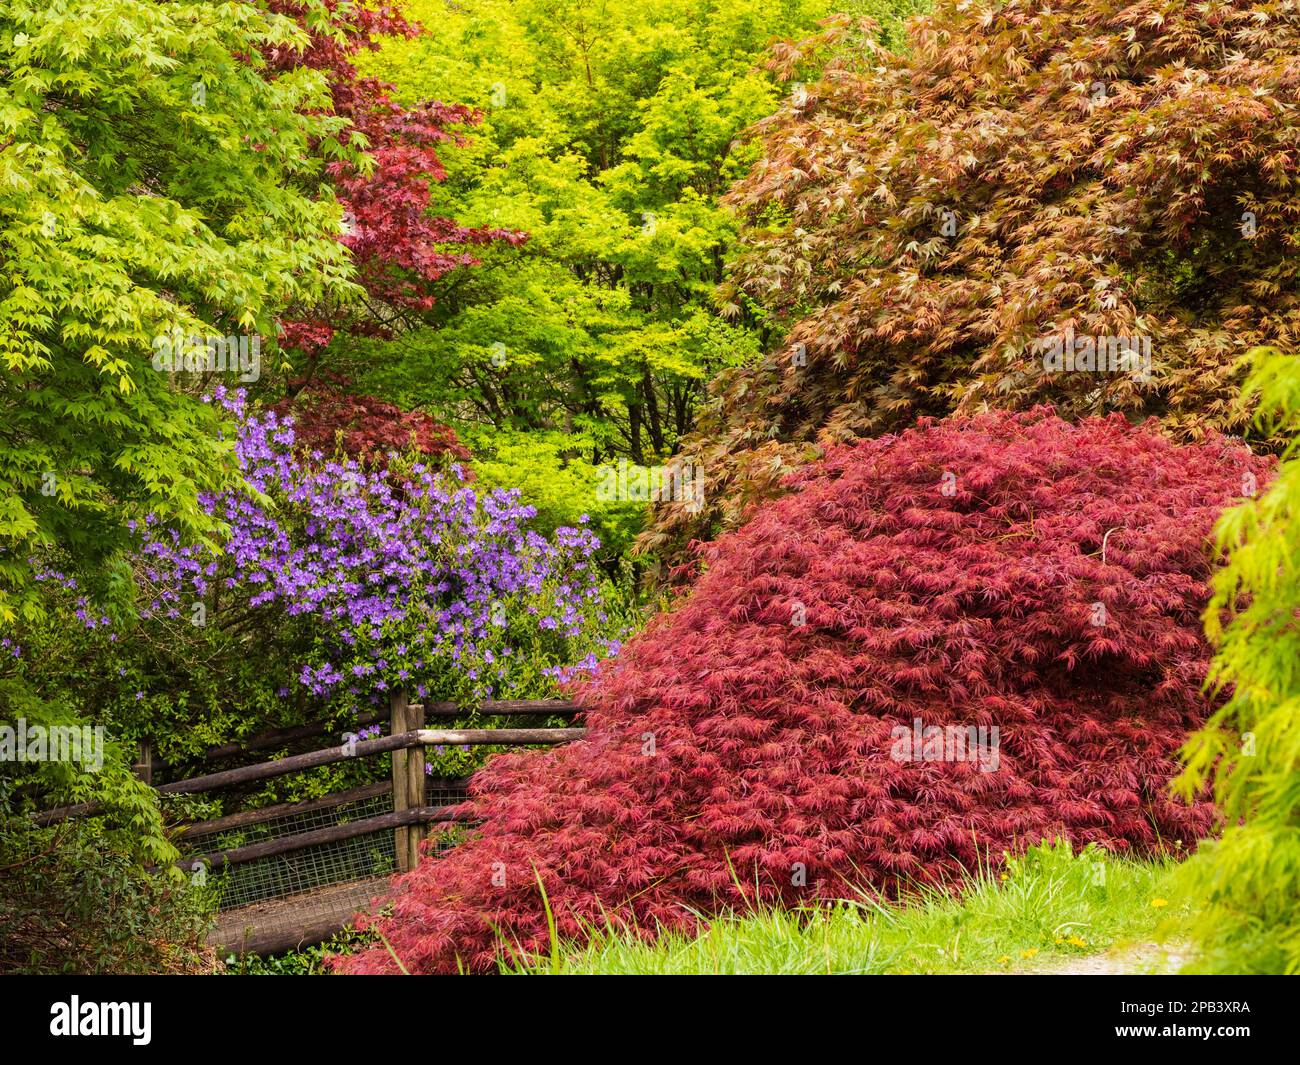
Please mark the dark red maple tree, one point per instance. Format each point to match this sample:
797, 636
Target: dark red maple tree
328, 415
399, 246
1004, 570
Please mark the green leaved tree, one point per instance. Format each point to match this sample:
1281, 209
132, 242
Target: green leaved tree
154, 183
611, 131
157, 184
1247, 883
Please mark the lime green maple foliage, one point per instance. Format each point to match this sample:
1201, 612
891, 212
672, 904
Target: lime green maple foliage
608, 137
611, 130
153, 179
1247, 884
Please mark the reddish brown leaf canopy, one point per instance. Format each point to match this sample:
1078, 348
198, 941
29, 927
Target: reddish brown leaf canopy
882, 591
1113, 168
329, 417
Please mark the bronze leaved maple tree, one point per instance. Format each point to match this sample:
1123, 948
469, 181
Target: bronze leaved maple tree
1087, 168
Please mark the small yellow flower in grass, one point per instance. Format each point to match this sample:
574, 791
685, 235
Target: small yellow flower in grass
1077, 941
1003, 876
1029, 953
1059, 940
1004, 959
1157, 903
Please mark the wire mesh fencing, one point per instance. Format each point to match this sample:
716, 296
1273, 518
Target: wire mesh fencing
279, 922
358, 858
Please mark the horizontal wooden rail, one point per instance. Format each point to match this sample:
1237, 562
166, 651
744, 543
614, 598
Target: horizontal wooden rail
416, 815
486, 737
63, 813
278, 737
489, 708
503, 708
365, 748
251, 773
328, 756
245, 818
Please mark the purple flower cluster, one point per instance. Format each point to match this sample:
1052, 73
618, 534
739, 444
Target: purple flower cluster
409, 579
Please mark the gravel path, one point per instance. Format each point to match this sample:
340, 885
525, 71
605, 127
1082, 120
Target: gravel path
1142, 958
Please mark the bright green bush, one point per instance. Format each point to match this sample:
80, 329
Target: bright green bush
79, 896
154, 179
610, 133
1248, 882
551, 473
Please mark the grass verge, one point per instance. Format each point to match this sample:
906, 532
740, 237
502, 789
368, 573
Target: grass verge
1042, 910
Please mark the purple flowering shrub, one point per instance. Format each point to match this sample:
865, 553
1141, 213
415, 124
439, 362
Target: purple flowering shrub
404, 576
336, 584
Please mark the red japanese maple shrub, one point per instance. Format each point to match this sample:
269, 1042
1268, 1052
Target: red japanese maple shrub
329, 416
400, 246
1002, 571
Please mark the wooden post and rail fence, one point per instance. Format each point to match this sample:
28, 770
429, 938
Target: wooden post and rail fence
410, 819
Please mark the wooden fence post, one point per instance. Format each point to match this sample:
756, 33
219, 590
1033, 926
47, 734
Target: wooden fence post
144, 767
414, 784
399, 708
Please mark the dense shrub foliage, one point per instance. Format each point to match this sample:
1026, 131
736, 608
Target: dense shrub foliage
53, 917
1247, 884
1007, 571
78, 897
1088, 168
402, 584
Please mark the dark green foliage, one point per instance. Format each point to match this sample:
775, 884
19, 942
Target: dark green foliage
77, 897
73, 901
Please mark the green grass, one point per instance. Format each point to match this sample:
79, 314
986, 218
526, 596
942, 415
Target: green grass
1043, 909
